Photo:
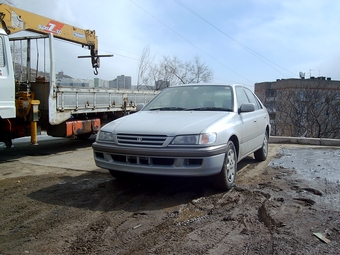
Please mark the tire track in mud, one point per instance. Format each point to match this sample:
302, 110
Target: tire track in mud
223, 225
102, 232
199, 226
118, 229
124, 228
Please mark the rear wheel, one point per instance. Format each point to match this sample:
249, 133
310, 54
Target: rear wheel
261, 154
8, 144
226, 178
6, 137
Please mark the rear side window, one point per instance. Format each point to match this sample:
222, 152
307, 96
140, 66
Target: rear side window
2, 53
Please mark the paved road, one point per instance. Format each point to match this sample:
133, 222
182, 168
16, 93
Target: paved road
59, 154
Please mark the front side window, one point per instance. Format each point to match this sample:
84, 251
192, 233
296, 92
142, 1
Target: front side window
241, 97
253, 99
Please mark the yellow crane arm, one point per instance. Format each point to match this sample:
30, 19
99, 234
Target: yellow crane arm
14, 20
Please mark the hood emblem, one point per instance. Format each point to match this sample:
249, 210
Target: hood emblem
139, 139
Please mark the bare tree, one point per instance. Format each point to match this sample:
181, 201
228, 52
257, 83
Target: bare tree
200, 71
146, 62
180, 72
311, 111
171, 70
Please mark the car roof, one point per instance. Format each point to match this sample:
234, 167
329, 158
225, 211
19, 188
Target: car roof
209, 84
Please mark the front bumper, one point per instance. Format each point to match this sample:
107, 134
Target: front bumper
160, 161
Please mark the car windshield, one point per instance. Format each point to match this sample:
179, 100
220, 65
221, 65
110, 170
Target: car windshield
193, 98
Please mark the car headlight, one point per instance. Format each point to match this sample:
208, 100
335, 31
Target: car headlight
105, 136
185, 140
194, 139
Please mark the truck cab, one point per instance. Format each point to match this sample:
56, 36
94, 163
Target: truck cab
7, 87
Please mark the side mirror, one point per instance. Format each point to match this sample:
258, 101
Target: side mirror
247, 107
140, 106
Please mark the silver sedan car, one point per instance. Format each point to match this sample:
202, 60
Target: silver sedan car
187, 130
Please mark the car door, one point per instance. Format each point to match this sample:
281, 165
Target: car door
260, 115
248, 127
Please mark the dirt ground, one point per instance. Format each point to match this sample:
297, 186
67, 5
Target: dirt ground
54, 200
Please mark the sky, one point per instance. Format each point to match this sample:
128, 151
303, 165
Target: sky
241, 41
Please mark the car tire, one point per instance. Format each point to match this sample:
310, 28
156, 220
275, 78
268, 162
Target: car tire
262, 153
225, 179
84, 136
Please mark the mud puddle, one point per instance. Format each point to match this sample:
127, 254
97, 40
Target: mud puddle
320, 167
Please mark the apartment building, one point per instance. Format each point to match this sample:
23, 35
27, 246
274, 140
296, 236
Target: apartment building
302, 107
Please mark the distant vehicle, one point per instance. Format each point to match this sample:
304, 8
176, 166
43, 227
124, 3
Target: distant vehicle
187, 130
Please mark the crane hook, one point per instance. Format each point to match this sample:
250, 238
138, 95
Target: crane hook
95, 71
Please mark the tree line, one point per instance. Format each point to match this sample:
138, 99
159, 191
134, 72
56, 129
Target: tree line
171, 69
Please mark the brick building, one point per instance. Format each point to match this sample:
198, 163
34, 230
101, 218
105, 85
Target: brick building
302, 107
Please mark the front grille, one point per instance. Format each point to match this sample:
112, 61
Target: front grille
141, 140
143, 160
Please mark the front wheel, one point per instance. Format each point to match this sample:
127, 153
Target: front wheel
262, 153
225, 179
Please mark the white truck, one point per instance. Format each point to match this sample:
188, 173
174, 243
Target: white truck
27, 108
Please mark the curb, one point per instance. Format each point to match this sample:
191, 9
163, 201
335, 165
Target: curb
304, 140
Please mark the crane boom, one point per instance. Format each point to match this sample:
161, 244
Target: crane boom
14, 20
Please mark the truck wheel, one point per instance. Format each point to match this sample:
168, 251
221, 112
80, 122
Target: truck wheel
226, 178
8, 144
8, 139
84, 136
261, 154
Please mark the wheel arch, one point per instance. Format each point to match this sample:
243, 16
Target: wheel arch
268, 130
235, 140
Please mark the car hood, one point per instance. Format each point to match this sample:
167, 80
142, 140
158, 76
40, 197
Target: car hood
165, 123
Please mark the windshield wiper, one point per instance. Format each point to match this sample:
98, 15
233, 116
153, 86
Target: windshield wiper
209, 109
172, 108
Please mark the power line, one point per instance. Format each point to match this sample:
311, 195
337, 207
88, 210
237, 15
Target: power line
189, 41
259, 56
